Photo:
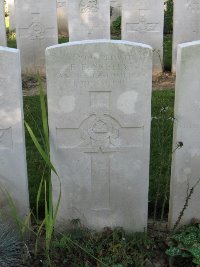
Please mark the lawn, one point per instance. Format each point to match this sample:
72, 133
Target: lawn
161, 147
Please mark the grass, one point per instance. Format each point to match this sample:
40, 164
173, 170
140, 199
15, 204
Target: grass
161, 147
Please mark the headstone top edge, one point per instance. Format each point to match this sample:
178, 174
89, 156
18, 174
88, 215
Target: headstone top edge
189, 44
100, 41
8, 49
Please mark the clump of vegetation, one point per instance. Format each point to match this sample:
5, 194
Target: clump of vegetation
186, 244
168, 28
10, 246
116, 28
83, 247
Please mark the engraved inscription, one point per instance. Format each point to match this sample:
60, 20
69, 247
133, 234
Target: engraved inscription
100, 135
194, 5
35, 30
6, 138
89, 6
61, 4
143, 25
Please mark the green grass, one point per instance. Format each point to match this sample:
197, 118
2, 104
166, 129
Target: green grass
161, 147
167, 50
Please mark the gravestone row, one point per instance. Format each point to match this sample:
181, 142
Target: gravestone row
99, 101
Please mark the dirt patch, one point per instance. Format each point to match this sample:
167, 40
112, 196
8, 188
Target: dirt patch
162, 81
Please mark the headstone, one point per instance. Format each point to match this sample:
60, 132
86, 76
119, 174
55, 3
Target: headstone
36, 29
143, 22
186, 159
186, 24
62, 17
115, 9
3, 41
89, 19
13, 173
11, 10
99, 97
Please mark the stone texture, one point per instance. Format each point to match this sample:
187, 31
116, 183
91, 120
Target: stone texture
11, 10
13, 173
36, 29
186, 24
99, 98
185, 164
89, 19
3, 41
115, 9
143, 22
62, 15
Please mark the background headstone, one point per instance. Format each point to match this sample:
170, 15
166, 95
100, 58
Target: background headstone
186, 24
62, 17
3, 39
185, 164
99, 99
143, 22
11, 10
115, 9
36, 29
13, 173
89, 19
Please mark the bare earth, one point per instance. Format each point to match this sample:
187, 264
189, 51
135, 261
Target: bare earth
163, 81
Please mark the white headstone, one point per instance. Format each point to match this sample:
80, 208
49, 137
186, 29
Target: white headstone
143, 22
89, 19
13, 173
3, 41
115, 9
186, 160
11, 10
36, 29
186, 24
99, 97
62, 15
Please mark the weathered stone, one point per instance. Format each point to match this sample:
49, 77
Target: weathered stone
99, 97
62, 17
11, 10
13, 173
186, 158
36, 29
143, 22
89, 19
186, 24
3, 41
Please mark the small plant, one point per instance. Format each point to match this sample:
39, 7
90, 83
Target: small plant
186, 243
116, 27
10, 246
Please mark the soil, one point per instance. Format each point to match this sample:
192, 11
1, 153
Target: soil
162, 81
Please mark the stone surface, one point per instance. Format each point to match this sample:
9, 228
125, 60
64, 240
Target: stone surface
13, 173
115, 9
11, 10
143, 22
62, 17
99, 98
185, 164
36, 29
186, 24
89, 19
3, 41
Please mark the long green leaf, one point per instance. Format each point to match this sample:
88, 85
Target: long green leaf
44, 115
40, 149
